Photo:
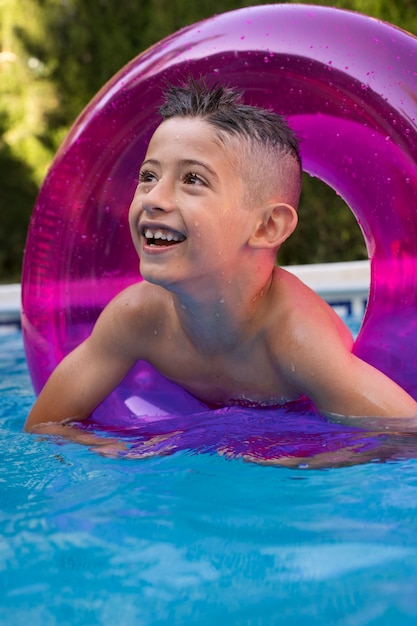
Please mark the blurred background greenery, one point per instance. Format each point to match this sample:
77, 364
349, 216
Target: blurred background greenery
56, 54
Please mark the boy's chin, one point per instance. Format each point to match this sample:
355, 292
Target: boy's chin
156, 276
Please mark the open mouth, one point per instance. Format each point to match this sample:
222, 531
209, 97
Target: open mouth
162, 236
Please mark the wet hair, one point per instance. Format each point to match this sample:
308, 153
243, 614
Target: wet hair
266, 137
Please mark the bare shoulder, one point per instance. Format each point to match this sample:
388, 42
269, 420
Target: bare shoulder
134, 317
313, 349
304, 321
141, 297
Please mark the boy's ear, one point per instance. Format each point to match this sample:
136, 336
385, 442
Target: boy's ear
278, 222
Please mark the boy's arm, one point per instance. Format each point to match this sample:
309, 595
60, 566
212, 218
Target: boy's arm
341, 384
88, 374
356, 389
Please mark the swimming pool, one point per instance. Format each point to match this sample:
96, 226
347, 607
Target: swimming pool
193, 538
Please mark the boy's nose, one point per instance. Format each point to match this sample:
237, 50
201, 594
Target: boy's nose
160, 197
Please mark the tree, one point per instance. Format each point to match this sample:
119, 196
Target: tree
56, 55
26, 96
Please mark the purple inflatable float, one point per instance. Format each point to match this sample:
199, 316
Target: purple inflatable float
347, 84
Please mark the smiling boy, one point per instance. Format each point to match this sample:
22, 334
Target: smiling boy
216, 197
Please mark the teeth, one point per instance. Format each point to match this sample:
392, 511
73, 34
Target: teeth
160, 234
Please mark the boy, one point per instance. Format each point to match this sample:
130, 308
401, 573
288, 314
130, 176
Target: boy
215, 200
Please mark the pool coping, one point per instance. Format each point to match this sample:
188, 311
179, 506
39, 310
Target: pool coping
344, 286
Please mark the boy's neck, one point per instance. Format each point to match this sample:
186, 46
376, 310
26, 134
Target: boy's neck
217, 320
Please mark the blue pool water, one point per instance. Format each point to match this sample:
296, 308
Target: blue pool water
195, 538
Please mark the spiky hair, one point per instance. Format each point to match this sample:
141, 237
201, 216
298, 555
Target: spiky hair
222, 107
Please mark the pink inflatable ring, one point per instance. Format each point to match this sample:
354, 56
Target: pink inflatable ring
347, 84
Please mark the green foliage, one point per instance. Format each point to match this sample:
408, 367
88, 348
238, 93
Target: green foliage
327, 230
17, 192
25, 98
86, 43
54, 57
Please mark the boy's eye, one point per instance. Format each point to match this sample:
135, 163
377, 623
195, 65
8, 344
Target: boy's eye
193, 179
146, 177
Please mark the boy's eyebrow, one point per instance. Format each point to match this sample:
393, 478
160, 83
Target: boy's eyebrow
149, 162
183, 162
191, 162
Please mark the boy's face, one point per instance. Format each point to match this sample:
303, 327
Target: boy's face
188, 217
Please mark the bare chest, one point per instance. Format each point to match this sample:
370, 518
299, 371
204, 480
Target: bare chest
240, 376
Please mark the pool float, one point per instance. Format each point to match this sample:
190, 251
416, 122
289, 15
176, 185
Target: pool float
347, 84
